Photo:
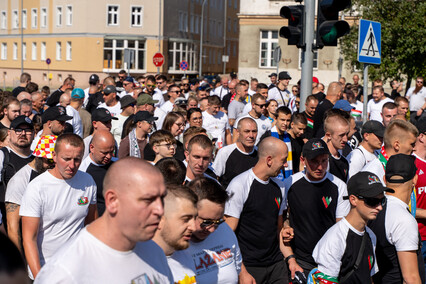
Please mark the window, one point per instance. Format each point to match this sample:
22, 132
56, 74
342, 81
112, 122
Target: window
3, 51
43, 18
69, 15
24, 19
112, 15
15, 19
24, 51
197, 22
15, 51
136, 17
235, 26
114, 54
268, 41
191, 23
179, 51
69, 51
58, 50
34, 18
3, 20
229, 24
235, 4
315, 63
34, 51
183, 21
234, 50
219, 29
58, 16
43, 51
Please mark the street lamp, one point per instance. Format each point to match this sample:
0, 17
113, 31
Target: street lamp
200, 70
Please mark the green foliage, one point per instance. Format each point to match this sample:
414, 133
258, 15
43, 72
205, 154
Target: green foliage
403, 37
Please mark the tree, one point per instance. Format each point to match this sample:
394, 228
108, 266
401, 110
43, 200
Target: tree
403, 38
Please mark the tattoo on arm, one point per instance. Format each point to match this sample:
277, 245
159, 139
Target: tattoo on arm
11, 207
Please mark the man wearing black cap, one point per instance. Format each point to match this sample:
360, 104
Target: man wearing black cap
273, 78
16, 155
372, 133
280, 92
398, 249
345, 254
111, 102
129, 85
128, 104
53, 99
101, 119
93, 85
133, 145
315, 202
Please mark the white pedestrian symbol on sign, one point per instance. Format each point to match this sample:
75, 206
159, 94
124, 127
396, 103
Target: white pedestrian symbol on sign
369, 47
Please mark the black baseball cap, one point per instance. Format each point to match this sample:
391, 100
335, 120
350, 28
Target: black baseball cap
375, 127
284, 75
313, 148
22, 119
126, 101
400, 165
272, 75
365, 184
102, 114
110, 89
93, 79
55, 113
144, 116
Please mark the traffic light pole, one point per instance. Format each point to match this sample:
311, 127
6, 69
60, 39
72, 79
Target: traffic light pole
365, 92
307, 53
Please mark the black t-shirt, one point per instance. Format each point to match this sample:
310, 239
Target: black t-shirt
226, 101
394, 94
54, 97
94, 101
17, 90
339, 167
98, 173
320, 96
296, 152
352, 144
3, 126
319, 117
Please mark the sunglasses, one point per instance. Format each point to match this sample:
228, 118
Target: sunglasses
185, 84
148, 85
261, 106
19, 131
372, 201
209, 222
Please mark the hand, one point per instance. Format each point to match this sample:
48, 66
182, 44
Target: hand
293, 266
245, 277
287, 233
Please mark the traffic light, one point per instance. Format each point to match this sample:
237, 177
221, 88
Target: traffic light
329, 28
294, 31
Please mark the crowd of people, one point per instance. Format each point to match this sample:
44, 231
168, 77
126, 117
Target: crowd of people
150, 180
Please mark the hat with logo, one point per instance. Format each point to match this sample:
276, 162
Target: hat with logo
77, 93
284, 76
22, 119
313, 148
55, 113
400, 168
343, 105
272, 75
375, 127
129, 79
45, 146
102, 114
144, 116
93, 79
144, 99
365, 184
233, 74
110, 89
126, 101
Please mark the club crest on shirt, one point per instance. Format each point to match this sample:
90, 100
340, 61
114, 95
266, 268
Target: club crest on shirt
370, 261
278, 202
83, 200
326, 201
373, 179
316, 145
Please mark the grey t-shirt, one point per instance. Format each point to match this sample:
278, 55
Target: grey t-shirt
235, 109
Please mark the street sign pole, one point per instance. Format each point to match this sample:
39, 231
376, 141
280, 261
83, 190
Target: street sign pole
277, 56
365, 92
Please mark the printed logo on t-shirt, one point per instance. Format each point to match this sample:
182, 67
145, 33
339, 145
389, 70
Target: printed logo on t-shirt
83, 200
326, 201
370, 261
421, 172
373, 179
278, 202
144, 279
186, 280
207, 260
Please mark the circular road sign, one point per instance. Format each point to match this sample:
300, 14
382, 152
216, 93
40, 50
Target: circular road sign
183, 65
158, 59
48, 61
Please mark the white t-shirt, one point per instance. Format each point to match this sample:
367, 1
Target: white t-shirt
76, 122
216, 125
248, 107
357, 159
221, 92
251, 92
114, 110
416, 100
167, 107
18, 185
88, 260
158, 95
282, 97
87, 141
158, 112
263, 124
117, 127
217, 259
375, 109
61, 205
182, 267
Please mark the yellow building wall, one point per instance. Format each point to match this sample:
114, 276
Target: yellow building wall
151, 49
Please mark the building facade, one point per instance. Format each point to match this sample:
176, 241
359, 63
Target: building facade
83, 37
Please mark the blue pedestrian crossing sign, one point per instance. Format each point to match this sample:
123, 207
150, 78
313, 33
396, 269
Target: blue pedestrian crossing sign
369, 42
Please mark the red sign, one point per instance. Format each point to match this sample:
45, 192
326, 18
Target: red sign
158, 59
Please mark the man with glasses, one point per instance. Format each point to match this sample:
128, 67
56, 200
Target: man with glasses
53, 99
399, 255
121, 76
128, 105
128, 85
18, 185
111, 102
173, 93
346, 253
16, 155
184, 85
161, 81
153, 91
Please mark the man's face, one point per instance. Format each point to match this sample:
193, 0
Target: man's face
57, 127
109, 99
174, 93
243, 92
295, 90
207, 210
407, 144
264, 93
12, 111
121, 77
213, 109
419, 82
298, 128
374, 141
285, 82
316, 168
26, 110
177, 226
339, 135
38, 102
128, 86
279, 162
102, 125
247, 134
273, 79
225, 82
311, 107
377, 95
198, 159
22, 136
165, 149
70, 84
283, 121
161, 84
366, 211
259, 106
150, 86
141, 82
402, 108
102, 152
253, 85
355, 78
201, 94
68, 159
196, 119
388, 114
185, 85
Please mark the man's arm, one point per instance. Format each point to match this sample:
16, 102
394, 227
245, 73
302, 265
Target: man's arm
232, 222
409, 267
29, 234
245, 277
13, 229
232, 121
228, 137
92, 215
420, 213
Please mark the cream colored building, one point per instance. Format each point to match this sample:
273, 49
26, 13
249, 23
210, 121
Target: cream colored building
83, 37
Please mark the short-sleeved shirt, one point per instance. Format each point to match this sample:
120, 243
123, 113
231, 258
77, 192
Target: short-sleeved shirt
18, 184
339, 167
235, 109
263, 124
416, 100
75, 121
114, 110
421, 193
283, 97
257, 204
216, 125
375, 108
358, 158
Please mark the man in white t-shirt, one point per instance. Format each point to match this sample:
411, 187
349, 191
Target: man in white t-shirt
216, 122
57, 204
374, 106
280, 93
77, 97
111, 102
416, 95
117, 247
222, 90
175, 230
173, 92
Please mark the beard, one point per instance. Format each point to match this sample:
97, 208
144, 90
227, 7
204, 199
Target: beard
39, 165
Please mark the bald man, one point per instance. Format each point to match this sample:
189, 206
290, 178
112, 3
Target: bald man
256, 207
98, 162
334, 93
23, 96
117, 247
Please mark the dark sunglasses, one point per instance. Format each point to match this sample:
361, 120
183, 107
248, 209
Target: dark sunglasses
261, 106
372, 201
185, 84
208, 223
150, 85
